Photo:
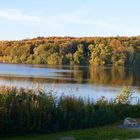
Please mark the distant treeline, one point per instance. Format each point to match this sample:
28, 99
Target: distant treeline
123, 51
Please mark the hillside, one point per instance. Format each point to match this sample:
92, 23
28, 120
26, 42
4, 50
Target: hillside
124, 51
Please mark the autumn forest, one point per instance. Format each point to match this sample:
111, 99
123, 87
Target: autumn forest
124, 51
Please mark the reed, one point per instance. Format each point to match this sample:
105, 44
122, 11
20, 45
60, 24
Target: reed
28, 111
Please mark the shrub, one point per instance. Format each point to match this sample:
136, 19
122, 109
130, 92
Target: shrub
27, 111
124, 96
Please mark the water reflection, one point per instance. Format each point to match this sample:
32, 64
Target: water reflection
81, 81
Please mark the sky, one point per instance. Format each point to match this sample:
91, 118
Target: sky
22, 19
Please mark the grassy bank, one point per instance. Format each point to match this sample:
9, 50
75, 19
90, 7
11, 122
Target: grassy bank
34, 111
102, 133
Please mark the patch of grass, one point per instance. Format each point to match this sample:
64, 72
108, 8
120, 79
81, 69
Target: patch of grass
101, 133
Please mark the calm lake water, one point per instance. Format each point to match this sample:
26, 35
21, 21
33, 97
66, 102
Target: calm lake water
87, 82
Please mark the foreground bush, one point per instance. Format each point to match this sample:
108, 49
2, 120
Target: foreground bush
27, 111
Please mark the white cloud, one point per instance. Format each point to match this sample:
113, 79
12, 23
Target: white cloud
107, 24
77, 22
17, 15
78, 17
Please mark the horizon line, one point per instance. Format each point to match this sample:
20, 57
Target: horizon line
67, 36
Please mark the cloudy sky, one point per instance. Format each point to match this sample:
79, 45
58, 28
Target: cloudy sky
21, 19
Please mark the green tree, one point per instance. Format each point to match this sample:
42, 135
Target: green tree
79, 56
54, 59
100, 54
40, 54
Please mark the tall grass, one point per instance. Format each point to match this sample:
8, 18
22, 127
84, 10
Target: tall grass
27, 111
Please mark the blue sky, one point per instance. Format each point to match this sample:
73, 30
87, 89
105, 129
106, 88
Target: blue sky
20, 19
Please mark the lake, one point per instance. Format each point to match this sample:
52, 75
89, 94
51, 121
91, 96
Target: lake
80, 81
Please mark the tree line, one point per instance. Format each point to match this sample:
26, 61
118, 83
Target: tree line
124, 51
